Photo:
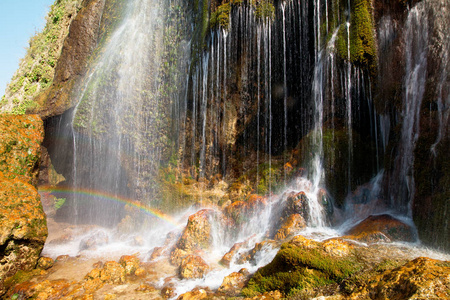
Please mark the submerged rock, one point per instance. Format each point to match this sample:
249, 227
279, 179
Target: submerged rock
94, 240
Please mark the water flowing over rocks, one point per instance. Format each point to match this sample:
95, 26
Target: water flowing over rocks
235, 149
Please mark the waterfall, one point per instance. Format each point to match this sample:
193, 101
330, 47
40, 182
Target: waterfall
119, 125
416, 50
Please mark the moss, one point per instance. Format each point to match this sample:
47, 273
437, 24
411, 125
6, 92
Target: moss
263, 9
363, 50
295, 268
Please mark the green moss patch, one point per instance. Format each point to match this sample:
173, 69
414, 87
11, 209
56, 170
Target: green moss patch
300, 267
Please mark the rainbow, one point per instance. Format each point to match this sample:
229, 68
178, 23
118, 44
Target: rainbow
109, 197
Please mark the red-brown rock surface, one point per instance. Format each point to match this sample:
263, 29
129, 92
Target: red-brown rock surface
381, 228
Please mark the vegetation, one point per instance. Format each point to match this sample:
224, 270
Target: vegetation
263, 9
37, 68
297, 267
363, 50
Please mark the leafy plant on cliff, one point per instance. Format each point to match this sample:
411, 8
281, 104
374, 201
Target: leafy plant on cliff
37, 68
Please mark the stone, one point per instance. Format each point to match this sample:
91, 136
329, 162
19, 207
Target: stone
196, 236
234, 283
23, 225
421, 278
193, 266
228, 257
168, 292
130, 263
113, 272
296, 203
250, 256
195, 294
381, 228
45, 263
290, 226
94, 240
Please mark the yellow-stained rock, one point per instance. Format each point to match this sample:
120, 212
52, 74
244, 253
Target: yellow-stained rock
193, 266
130, 263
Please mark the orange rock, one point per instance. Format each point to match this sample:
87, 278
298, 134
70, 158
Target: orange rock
196, 236
45, 263
234, 283
228, 257
113, 272
378, 228
146, 288
290, 226
130, 264
421, 278
193, 266
195, 294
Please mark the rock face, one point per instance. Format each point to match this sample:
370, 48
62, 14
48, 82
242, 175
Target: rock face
23, 227
78, 46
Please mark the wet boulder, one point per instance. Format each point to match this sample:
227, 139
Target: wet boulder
193, 266
292, 214
381, 228
290, 226
195, 294
228, 257
196, 236
234, 283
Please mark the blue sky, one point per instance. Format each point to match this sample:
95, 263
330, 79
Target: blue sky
19, 20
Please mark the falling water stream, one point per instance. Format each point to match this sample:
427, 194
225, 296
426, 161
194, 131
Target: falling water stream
118, 122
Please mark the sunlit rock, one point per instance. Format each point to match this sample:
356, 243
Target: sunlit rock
168, 292
234, 283
196, 294
291, 225
259, 248
196, 236
130, 263
421, 278
113, 272
193, 267
23, 226
381, 228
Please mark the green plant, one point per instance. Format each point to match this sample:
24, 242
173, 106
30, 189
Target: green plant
59, 202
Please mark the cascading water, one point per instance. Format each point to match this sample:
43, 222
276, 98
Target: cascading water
262, 87
416, 50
